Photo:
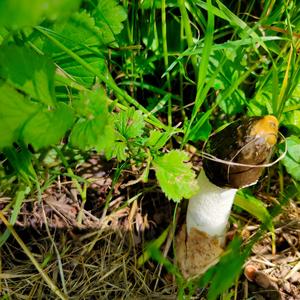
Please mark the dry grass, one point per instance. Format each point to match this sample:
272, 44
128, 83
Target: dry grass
97, 265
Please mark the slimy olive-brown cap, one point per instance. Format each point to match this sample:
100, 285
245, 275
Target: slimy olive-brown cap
248, 141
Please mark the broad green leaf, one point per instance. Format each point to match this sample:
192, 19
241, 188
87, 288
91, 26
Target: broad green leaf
92, 104
87, 134
16, 14
254, 207
47, 127
78, 31
109, 17
15, 111
292, 159
80, 74
175, 176
29, 72
130, 123
93, 129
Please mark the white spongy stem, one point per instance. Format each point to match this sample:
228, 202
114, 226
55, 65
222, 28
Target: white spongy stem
209, 210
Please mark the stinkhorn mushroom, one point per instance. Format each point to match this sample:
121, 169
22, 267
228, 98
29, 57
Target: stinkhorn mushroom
233, 153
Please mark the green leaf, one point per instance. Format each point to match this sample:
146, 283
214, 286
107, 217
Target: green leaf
47, 127
18, 201
80, 74
255, 207
130, 123
117, 149
292, 159
201, 129
92, 104
78, 31
17, 14
94, 128
109, 17
158, 139
175, 177
20, 159
15, 111
226, 271
29, 72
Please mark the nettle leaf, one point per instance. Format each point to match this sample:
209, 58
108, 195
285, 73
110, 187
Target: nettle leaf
17, 14
47, 127
175, 176
29, 72
292, 159
130, 123
93, 129
15, 111
109, 17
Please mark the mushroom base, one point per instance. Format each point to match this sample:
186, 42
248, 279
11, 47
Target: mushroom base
196, 252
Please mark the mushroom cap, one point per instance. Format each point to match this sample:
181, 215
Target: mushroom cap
247, 141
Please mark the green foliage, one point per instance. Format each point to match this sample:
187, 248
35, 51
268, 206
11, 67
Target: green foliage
29, 72
47, 127
92, 129
292, 159
228, 269
63, 61
175, 176
17, 14
254, 207
14, 113
109, 17
128, 125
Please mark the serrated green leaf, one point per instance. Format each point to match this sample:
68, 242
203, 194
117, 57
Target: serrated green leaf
87, 134
292, 159
29, 72
175, 176
94, 128
17, 14
109, 17
15, 111
118, 150
130, 123
47, 127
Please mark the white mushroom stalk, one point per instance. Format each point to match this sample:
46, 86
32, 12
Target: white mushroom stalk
209, 210
249, 143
